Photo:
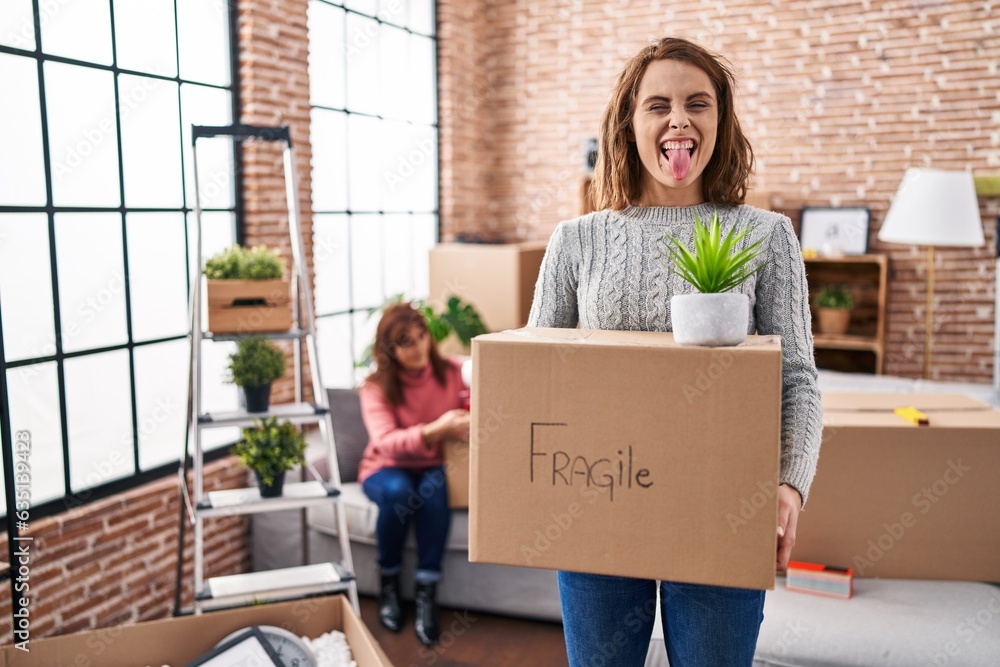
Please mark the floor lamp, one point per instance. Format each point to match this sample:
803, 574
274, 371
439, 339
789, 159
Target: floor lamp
934, 208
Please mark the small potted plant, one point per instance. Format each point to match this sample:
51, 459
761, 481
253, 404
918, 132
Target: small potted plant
253, 367
247, 291
714, 316
833, 309
270, 449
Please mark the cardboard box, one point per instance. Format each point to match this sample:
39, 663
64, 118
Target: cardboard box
624, 453
498, 279
177, 641
456, 472
893, 499
244, 306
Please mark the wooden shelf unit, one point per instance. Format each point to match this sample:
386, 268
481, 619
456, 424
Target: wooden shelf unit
863, 346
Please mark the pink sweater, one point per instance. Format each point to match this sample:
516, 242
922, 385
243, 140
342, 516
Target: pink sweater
394, 439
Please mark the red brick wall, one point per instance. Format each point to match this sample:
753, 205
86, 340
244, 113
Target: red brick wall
274, 88
838, 99
113, 561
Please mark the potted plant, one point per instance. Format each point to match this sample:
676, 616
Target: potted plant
270, 449
833, 309
253, 367
247, 291
714, 316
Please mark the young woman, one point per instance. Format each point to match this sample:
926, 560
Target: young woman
410, 404
671, 146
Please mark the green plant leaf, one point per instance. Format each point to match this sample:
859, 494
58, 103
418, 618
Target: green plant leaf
713, 266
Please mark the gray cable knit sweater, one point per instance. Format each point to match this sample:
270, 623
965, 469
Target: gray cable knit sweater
606, 270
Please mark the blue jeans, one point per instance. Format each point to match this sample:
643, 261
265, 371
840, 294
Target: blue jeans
403, 495
608, 621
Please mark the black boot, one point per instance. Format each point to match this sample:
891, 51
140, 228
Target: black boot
428, 624
390, 614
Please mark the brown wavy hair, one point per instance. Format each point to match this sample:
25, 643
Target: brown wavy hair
618, 172
396, 319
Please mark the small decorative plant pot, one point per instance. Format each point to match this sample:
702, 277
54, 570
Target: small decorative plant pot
256, 399
834, 320
710, 320
274, 490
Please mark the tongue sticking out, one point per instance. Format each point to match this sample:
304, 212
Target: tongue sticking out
680, 162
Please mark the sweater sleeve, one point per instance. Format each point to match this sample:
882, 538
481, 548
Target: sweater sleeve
385, 436
782, 308
554, 303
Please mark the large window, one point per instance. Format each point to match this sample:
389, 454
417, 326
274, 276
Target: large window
95, 220
372, 73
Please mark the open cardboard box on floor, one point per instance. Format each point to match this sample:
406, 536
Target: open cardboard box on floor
177, 641
893, 499
624, 453
498, 279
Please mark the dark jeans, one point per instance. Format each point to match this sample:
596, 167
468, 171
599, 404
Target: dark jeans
402, 495
608, 621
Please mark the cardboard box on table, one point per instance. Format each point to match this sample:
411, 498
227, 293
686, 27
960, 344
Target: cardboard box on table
624, 453
498, 279
177, 641
893, 499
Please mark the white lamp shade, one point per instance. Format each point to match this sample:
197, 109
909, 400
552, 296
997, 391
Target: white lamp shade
934, 207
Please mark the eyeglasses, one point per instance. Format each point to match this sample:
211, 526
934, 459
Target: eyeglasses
406, 341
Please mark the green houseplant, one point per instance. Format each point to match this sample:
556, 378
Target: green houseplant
248, 291
714, 316
270, 449
833, 309
253, 367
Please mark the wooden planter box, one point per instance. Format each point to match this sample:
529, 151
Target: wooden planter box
246, 306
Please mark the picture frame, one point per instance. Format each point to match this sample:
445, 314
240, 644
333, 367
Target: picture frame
833, 231
249, 647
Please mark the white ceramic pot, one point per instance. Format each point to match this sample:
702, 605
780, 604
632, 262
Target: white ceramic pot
710, 320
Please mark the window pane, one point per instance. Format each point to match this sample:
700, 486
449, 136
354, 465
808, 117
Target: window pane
422, 77
91, 280
422, 17
80, 29
365, 162
17, 27
364, 6
394, 77
22, 171
161, 381
151, 151
33, 392
409, 167
326, 55
330, 257
99, 416
329, 160
83, 136
201, 105
144, 36
395, 12
26, 286
425, 236
366, 260
362, 64
398, 254
203, 38
333, 338
157, 277
364, 336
